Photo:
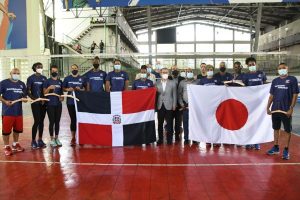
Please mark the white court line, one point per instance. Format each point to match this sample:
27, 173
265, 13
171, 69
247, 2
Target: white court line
152, 165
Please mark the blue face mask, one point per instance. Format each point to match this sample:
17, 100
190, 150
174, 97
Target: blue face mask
149, 70
117, 67
282, 72
190, 75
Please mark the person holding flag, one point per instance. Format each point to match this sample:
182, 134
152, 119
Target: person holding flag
283, 97
117, 80
73, 82
12, 89
53, 88
253, 78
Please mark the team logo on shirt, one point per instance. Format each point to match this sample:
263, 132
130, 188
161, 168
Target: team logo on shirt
149, 84
287, 81
21, 86
117, 119
259, 75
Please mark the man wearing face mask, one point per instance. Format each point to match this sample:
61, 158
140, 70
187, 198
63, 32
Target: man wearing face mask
253, 78
177, 114
150, 70
166, 104
150, 76
54, 107
210, 79
35, 90
12, 115
117, 80
223, 75
237, 75
283, 97
183, 101
143, 82
73, 82
203, 71
96, 77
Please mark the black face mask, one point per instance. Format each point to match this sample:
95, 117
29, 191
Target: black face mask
175, 73
222, 69
54, 74
74, 72
96, 66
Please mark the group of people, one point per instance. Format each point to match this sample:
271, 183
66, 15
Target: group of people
172, 104
94, 46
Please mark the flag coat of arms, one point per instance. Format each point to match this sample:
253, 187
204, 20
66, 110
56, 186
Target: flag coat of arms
232, 115
116, 118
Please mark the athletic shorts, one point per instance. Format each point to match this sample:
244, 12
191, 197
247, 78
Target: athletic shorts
278, 118
10, 123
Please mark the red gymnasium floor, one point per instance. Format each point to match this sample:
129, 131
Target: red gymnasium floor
164, 172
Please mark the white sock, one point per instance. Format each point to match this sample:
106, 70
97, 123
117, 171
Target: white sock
14, 143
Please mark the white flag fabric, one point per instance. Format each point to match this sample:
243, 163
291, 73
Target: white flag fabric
231, 115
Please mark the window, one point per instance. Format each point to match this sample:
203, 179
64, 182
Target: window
228, 62
144, 37
185, 63
204, 47
185, 33
224, 47
242, 48
185, 48
143, 48
165, 48
241, 36
223, 34
204, 33
207, 61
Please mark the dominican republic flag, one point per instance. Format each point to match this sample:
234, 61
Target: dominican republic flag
116, 118
231, 115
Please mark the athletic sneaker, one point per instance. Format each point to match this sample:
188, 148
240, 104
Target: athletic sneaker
34, 145
285, 154
41, 144
257, 146
53, 143
274, 150
249, 146
17, 148
73, 142
58, 142
8, 151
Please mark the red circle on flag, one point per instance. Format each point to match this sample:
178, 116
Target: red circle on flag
232, 114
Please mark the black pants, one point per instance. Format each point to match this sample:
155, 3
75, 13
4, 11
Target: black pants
162, 115
177, 117
54, 114
39, 113
72, 114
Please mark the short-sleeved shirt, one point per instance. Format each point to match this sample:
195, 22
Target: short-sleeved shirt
209, 81
35, 85
283, 90
11, 91
73, 82
221, 78
117, 80
139, 84
53, 100
96, 80
200, 76
252, 79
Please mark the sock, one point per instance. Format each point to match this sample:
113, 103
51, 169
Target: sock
14, 143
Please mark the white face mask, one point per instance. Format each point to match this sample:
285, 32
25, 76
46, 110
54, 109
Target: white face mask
15, 77
165, 76
117, 67
282, 72
39, 71
190, 75
143, 75
183, 74
252, 68
210, 73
